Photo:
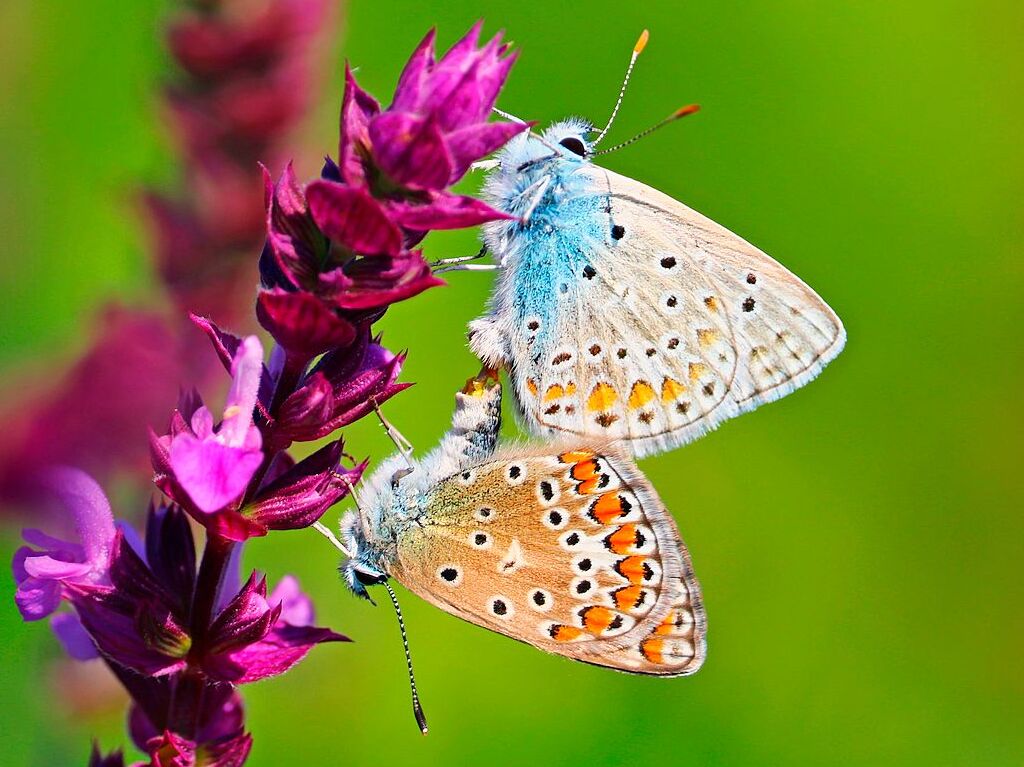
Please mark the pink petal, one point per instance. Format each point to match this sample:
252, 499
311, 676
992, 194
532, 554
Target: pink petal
202, 422
467, 145
246, 370
277, 652
409, 91
48, 567
213, 475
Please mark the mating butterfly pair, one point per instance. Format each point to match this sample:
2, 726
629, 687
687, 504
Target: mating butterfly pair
627, 324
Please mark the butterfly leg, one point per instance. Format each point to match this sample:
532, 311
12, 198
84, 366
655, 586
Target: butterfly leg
403, 445
537, 190
459, 259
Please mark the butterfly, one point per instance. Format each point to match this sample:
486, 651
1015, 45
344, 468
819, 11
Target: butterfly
619, 313
568, 548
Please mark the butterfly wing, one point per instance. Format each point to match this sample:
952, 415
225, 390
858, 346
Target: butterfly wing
572, 553
673, 324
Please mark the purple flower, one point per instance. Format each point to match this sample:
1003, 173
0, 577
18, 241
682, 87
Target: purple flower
135, 621
44, 575
214, 466
316, 292
255, 637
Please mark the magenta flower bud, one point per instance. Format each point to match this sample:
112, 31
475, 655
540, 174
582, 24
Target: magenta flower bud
302, 323
437, 125
253, 638
300, 495
332, 396
373, 283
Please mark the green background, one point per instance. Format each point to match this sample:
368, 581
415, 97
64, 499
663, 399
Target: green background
858, 543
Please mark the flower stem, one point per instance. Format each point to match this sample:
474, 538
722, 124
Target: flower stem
211, 574
186, 703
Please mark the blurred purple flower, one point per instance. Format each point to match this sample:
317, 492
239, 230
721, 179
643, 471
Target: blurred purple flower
123, 382
43, 576
75, 640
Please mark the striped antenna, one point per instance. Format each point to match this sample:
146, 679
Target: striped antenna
417, 709
689, 109
641, 43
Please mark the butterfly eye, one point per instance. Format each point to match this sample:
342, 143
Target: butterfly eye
368, 577
574, 145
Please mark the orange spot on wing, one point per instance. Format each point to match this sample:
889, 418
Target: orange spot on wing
555, 391
706, 337
671, 389
607, 508
627, 597
652, 648
532, 386
669, 625
564, 633
697, 369
711, 303
640, 395
597, 619
631, 568
570, 389
602, 397
623, 539
574, 456
584, 470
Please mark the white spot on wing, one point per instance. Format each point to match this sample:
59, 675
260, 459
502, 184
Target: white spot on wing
513, 559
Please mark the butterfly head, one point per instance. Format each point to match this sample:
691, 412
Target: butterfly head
388, 499
570, 137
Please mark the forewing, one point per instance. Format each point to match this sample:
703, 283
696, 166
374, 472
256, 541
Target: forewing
680, 325
572, 553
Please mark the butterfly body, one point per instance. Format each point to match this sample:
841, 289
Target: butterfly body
567, 549
622, 314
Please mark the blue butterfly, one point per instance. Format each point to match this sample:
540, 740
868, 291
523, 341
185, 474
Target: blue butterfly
620, 313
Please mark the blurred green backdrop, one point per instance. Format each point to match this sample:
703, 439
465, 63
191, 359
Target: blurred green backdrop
859, 543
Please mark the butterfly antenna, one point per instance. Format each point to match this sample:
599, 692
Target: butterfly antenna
417, 709
641, 43
689, 109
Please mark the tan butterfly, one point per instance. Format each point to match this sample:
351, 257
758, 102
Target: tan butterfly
569, 550
620, 313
